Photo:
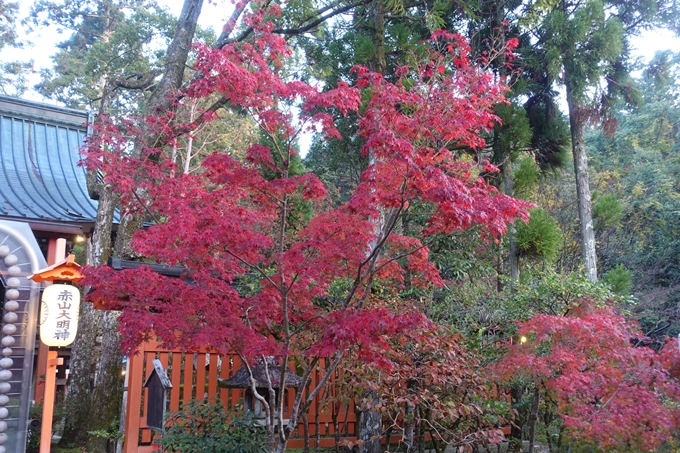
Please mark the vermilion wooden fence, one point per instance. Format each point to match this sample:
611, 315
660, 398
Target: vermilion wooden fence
194, 376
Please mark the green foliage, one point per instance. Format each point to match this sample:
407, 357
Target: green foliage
642, 156
550, 131
540, 238
486, 316
8, 18
550, 292
395, 6
434, 19
607, 211
515, 130
532, 17
13, 74
204, 427
109, 434
248, 284
619, 279
585, 42
338, 163
109, 44
13, 77
35, 412
364, 50
660, 78
33, 434
300, 210
460, 255
525, 175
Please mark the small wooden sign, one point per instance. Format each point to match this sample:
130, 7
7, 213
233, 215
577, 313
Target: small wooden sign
157, 383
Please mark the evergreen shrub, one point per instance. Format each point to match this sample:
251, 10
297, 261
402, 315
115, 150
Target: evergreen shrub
204, 427
540, 238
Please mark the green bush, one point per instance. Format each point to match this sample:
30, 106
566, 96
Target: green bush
551, 292
526, 176
33, 434
540, 238
619, 279
204, 427
608, 211
35, 414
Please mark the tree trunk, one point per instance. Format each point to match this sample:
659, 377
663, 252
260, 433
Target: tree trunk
108, 389
370, 427
317, 447
509, 189
533, 418
176, 58
161, 100
409, 425
577, 120
516, 393
102, 411
305, 430
371, 421
410, 416
377, 14
501, 152
79, 401
78, 398
109, 384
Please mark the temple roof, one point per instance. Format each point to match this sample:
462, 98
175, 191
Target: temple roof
40, 179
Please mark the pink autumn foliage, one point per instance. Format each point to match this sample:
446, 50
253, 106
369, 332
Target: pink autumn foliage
223, 224
607, 391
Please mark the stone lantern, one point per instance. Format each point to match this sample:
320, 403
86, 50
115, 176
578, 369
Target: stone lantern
241, 379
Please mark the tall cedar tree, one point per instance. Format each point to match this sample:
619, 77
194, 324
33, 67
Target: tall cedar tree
229, 220
588, 43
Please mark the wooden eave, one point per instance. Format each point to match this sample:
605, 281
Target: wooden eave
65, 270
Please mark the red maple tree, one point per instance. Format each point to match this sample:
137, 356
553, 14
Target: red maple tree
608, 392
232, 220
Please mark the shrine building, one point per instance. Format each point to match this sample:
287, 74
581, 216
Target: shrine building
43, 197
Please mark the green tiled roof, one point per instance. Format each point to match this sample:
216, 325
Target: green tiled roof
39, 152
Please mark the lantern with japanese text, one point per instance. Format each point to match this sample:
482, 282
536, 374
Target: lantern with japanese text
59, 315
60, 302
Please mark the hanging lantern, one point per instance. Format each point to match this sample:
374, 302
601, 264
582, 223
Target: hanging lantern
60, 302
59, 315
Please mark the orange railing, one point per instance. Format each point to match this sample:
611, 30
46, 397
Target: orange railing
194, 376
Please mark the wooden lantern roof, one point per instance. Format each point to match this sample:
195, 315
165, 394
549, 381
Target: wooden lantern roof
65, 270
